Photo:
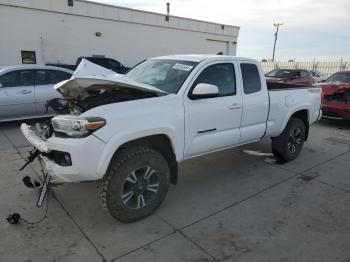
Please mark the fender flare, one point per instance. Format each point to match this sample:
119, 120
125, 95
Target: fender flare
116, 141
285, 122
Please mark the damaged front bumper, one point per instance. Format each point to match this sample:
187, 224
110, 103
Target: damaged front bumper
83, 155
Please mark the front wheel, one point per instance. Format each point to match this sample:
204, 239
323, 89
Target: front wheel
287, 146
135, 184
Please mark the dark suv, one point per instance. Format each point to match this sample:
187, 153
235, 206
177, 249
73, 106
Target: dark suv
106, 62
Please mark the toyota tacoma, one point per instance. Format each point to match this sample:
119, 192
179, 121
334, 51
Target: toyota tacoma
131, 131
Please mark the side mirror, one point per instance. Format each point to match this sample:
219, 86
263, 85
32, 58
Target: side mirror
0, 85
203, 90
322, 81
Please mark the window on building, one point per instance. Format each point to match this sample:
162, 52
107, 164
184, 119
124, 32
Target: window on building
251, 78
28, 57
220, 75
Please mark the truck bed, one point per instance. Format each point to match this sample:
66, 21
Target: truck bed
285, 98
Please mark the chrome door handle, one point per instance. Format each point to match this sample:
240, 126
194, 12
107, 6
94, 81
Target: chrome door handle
234, 106
25, 92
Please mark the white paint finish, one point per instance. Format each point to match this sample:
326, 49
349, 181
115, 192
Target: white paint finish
280, 113
60, 34
211, 125
255, 109
84, 152
179, 119
205, 89
134, 122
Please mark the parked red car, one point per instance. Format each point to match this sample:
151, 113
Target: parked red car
290, 76
336, 91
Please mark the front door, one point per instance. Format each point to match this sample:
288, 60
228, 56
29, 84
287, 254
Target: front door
213, 123
17, 94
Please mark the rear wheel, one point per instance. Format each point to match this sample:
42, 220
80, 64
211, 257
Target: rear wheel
135, 184
288, 145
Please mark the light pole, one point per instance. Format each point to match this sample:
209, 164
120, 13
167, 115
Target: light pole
277, 26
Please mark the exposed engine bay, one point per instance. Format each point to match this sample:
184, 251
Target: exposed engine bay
94, 96
92, 85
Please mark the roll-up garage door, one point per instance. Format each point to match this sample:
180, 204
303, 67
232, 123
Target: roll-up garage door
216, 46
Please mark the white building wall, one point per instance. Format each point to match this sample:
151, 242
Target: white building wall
60, 34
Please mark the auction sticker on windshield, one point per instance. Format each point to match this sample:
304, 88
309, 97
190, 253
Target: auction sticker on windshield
182, 67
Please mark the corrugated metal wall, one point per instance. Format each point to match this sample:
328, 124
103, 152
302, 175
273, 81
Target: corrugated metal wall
326, 67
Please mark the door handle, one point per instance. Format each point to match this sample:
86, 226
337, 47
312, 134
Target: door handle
234, 106
26, 91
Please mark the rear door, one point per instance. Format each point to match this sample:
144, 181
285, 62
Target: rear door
17, 94
213, 123
45, 79
255, 102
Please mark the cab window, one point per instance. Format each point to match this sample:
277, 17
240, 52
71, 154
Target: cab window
251, 78
220, 75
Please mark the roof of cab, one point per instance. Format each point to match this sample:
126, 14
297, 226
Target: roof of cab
201, 57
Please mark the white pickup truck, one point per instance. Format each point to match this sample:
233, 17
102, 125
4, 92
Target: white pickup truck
131, 131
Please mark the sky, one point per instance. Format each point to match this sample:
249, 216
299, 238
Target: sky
312, 29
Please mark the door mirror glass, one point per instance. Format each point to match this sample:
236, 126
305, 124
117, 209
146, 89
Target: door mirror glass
203, 90
0, 85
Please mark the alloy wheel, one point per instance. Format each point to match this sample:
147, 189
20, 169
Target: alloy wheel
140, 188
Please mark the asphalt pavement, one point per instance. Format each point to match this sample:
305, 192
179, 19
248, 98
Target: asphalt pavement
234, 205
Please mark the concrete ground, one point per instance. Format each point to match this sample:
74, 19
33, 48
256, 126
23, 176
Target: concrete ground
234, 205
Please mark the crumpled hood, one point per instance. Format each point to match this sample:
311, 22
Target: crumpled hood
89, 75
332, 89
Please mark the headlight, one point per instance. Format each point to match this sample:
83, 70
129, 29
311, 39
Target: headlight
75, 126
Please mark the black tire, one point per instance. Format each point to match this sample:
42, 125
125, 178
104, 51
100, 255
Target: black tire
288, 145
126, 165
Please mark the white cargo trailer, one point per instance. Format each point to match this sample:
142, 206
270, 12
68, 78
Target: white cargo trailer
59, 31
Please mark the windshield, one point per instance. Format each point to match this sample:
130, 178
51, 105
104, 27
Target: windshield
339, 78
280, 73
166, 75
